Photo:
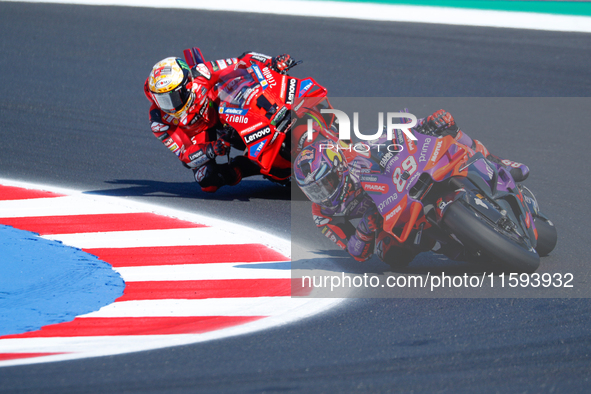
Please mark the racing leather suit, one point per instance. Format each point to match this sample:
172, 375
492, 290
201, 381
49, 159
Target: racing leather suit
360, 241
193, 138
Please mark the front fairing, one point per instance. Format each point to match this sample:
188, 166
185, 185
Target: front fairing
403, 171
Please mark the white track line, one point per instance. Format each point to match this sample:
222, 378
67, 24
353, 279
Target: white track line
215, 271
256, 306
151, 238
60, 206
369, 11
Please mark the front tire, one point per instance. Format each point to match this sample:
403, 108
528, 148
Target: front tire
480, 237
547, 236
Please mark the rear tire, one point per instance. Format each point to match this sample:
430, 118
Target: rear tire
479, 236
547, 236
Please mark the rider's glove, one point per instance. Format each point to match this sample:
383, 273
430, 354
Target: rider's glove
360, 245
228, 134
221, 147
372, 220
438, 123
218, 147
282, 63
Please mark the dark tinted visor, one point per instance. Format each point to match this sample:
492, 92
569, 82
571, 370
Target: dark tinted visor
323, 190
174, 100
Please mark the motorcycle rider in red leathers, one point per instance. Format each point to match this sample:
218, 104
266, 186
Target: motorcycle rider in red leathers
184, 115
330, 179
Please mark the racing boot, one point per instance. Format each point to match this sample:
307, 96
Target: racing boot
212, 176
518, 171
241, 167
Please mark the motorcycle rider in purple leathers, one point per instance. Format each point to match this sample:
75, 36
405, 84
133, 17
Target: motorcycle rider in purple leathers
333, 184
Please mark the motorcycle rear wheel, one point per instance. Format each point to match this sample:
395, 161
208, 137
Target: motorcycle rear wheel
480, 236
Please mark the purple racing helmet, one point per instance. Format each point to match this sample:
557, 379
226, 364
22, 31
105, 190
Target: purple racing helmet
320, 171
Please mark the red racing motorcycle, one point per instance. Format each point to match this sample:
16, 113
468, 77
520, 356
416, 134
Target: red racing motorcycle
264, 107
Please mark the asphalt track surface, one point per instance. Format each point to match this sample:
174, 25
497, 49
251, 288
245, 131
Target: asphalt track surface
72, 114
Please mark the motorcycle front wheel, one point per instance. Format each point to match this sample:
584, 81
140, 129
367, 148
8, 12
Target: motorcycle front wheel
547, 236
481, 237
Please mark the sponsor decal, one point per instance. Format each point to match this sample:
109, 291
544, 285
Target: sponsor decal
424, 149
203, 70
195, 155
255, 150
251, 128
269, 76
489, 171
259, 58
221, 63
375, 187
369, 178
282, 94
412, 180
198, 159
385, 159
214, 66
391, 198
237, 119
391, 163
279, 116
412, 147
304, 86
436, 151
320, 220
158, 127
353, 204
162, 70
261, 78
330, 235
163, 82
183, 65
393, 212
173, 147
307, 155
260, 55
301, 142
291, 91
233, 111
257, 135
200, 173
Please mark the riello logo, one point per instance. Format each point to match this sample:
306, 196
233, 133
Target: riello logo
345, 125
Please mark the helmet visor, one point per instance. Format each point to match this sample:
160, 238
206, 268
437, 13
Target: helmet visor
323, 190
172, 101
